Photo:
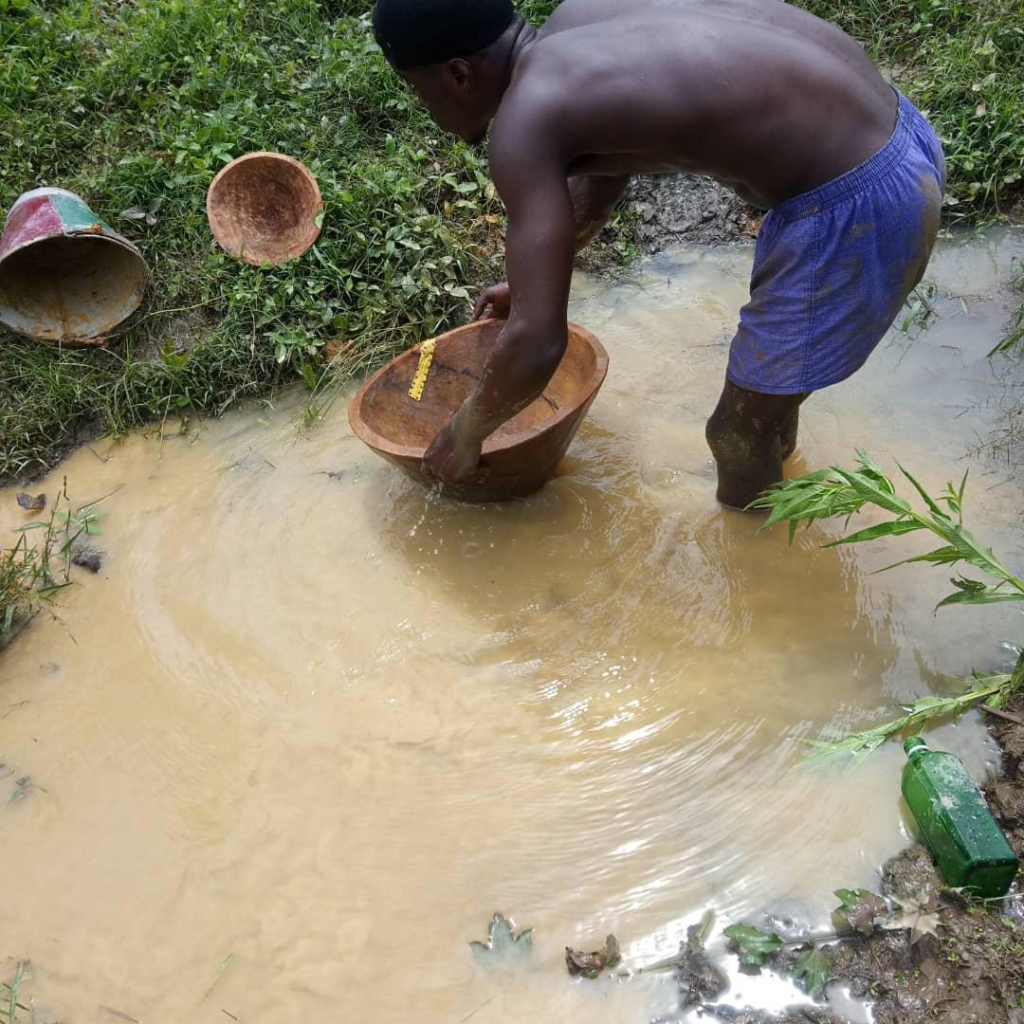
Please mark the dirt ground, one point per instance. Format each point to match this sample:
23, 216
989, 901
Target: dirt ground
688, 208
971, 971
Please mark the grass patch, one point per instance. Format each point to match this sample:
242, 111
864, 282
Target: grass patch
1014, 339
962, 63
39, 563
138, 105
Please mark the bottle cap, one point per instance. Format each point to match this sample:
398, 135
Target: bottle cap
915, 743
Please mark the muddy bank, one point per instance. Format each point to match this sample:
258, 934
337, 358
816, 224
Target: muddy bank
967, 964
689, 208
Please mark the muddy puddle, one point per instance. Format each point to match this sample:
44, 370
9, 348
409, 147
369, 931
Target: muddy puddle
310, 725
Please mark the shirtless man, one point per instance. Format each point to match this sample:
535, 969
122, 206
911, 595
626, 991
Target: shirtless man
782, 107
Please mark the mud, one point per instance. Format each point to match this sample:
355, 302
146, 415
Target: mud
971, 971
690, 209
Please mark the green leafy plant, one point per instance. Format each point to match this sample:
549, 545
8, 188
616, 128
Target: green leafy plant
752, 945
813, 970
837, 492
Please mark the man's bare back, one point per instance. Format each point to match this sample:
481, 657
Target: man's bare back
762, 96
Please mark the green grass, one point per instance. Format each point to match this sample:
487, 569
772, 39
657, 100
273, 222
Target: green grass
962, 62
38, 565
1014, 339
139, 104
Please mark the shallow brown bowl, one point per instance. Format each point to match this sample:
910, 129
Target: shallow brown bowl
520, 456
263, 208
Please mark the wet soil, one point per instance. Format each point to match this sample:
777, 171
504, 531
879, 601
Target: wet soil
690, 208
972, 970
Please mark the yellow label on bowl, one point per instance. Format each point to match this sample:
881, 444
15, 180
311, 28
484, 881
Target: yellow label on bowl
420, 380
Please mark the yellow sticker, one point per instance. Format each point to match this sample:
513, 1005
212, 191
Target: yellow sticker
420, 380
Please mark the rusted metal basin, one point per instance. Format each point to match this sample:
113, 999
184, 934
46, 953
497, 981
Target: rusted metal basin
522, 454
264, 208
65, 275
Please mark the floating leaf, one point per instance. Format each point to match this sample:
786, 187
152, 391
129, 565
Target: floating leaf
30, 504
120, 1014
590, 965
813, 970
858, 910
503, 945
753, 946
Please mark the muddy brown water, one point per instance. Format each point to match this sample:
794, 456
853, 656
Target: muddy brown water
311, 725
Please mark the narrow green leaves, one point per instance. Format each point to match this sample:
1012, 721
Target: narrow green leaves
894, 528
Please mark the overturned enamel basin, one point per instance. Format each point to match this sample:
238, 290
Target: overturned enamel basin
65, 275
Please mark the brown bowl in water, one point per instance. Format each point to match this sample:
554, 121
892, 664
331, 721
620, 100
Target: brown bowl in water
263, 208
521, 455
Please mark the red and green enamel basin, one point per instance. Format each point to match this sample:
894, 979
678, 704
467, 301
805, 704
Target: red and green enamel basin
66, 275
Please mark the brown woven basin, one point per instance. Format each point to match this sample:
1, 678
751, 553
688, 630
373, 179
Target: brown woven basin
518, 457
263, 208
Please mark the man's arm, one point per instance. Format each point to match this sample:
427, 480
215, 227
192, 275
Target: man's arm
540, 245
593, 201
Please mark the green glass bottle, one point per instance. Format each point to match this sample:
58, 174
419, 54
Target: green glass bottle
970, 848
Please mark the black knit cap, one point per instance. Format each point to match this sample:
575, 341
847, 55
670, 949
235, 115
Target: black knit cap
416, 32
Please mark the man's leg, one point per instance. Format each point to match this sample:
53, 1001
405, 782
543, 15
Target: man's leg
750, 435
789, 428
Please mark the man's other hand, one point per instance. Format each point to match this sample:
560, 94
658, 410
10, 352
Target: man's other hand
498, 297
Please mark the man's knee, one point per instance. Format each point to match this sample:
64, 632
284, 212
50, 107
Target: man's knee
737, 432
733, 441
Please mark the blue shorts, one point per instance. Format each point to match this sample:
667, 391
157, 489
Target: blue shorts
834, 266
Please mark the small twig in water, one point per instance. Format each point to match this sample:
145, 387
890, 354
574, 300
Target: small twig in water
91, 504
120, 1015
486, 1002
225, 964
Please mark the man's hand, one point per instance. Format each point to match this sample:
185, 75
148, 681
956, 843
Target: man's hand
498, 297
452, 455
